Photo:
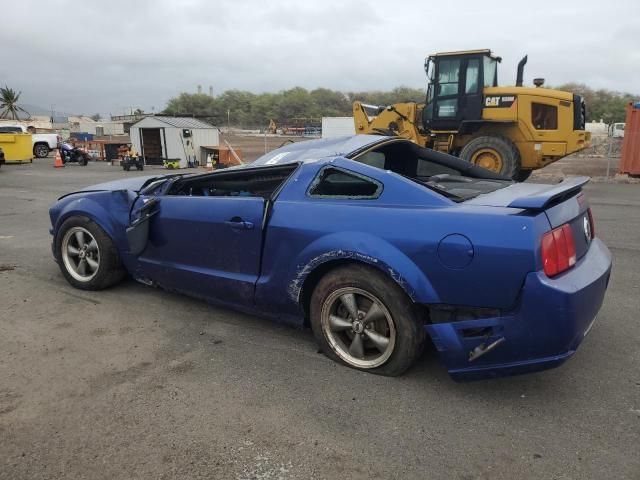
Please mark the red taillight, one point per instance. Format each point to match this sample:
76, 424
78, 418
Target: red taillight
558, 250
591, 224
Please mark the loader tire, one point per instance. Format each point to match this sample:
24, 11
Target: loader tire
494, 153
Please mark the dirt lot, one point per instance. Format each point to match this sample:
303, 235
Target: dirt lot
253, 146
133, 382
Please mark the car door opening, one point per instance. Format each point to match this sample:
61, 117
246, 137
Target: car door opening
243, 182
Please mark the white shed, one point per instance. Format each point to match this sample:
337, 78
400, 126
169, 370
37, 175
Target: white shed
159, 138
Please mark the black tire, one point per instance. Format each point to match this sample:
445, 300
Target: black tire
523, 175
409, 332
109, 271
502, 146
141, 168
41, 150
127, 168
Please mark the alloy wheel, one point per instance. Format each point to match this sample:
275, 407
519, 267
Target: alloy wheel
80, 254
358, 327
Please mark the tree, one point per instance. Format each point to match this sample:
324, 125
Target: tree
602, 104
96, 117
138, 111
197, 104
250, 110
9, 107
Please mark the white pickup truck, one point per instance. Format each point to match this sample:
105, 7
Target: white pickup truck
43, 143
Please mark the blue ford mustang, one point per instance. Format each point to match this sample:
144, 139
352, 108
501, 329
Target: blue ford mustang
374, 242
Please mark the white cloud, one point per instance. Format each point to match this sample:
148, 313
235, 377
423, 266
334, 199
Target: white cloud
90, 56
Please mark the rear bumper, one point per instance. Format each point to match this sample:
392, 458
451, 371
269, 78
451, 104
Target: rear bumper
552, 318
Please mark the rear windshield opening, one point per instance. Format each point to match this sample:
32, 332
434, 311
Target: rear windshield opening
446, 174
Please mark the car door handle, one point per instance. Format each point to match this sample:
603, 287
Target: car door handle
239, 224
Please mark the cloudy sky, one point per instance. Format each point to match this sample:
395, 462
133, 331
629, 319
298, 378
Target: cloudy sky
110, 55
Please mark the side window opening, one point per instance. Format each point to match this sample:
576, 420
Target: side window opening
261, 182
337, 183
544, 117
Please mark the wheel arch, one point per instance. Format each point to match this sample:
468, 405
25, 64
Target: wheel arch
94, 211
392, 263
40, 143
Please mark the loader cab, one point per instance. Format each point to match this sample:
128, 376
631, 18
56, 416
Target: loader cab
456, 82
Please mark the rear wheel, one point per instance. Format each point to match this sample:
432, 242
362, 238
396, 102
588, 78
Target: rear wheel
494, 153
364, 320
87, 256
41, 150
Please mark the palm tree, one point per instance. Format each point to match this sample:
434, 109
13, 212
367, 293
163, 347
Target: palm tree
9, 103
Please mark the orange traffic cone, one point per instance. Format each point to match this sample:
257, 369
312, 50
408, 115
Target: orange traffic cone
58, 163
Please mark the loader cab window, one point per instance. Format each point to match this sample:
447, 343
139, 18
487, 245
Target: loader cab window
473, 76
490, 72
448, 74
447, 86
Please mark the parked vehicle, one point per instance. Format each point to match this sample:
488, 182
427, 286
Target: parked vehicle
132, 159
616, 130
511, 130
375, 242
128, 161
69, 153
43, 143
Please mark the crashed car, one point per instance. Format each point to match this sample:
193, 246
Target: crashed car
375, 243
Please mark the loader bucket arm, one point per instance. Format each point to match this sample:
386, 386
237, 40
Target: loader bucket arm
399, 119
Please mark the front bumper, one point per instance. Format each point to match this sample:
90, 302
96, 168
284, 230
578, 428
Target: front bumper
550, 321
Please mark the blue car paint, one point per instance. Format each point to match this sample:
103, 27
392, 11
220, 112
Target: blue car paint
212, 256
544, 330
406, 233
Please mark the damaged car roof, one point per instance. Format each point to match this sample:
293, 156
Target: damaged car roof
327, 147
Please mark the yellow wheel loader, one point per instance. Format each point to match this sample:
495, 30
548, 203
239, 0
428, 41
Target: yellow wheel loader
509, 130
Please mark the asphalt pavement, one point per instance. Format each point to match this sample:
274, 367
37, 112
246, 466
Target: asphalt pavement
134, 382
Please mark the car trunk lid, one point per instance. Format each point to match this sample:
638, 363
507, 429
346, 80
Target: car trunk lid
562, 203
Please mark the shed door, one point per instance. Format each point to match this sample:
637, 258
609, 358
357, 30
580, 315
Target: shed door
151, 143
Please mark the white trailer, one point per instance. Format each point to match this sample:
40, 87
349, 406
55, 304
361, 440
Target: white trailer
337, 127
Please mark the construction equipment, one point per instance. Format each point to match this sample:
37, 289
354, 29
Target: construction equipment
509, 130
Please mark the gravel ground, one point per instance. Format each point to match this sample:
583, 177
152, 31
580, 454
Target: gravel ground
134, 382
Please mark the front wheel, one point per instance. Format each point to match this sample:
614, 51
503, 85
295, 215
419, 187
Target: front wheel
87, 256
363, 319
494, 153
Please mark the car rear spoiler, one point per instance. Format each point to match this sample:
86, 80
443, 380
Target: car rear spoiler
541, 199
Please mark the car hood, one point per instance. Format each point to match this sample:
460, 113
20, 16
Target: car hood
134, 183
